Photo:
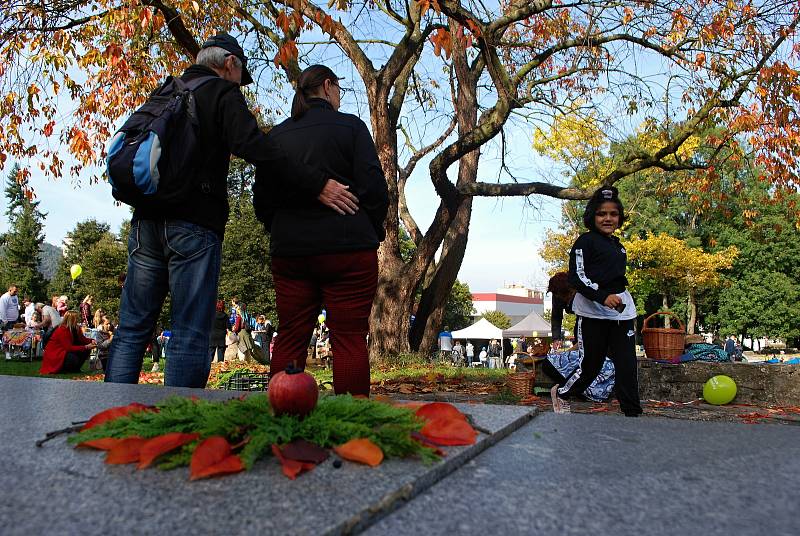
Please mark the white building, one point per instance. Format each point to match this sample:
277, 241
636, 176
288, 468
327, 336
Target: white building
516, 301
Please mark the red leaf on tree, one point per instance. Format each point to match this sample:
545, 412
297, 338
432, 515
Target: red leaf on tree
439, 410
115, 413
304, 451
213, 457
362, 451
449, 431
291, 468
104, 443
162, 444
126, 451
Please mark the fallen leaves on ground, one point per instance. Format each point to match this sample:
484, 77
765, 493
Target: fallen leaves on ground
104, 443
291, 468
152, 378
214, 456
162, 444
446, 425
304, 451
126, 451
362, 451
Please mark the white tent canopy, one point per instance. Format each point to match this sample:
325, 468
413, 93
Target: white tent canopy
482, 329
532, 325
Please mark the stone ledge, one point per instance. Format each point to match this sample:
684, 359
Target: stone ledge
756, 383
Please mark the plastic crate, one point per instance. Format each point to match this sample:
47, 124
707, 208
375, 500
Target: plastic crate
247, 381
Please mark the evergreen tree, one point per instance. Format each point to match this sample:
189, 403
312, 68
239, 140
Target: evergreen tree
245, 271
102, 264
20, 257
78, 243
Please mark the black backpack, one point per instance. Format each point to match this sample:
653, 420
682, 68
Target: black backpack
152, 156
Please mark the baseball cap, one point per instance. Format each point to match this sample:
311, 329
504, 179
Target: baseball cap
226, 41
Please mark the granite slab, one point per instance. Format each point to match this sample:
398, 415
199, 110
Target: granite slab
606, 474
58, 489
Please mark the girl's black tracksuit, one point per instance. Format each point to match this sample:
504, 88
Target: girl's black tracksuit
596, 270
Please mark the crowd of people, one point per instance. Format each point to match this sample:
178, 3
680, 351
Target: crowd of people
62, 337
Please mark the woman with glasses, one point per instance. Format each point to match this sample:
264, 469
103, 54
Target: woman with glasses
322, 256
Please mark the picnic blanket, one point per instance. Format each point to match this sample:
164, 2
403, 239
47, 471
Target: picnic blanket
703, 351
566, 363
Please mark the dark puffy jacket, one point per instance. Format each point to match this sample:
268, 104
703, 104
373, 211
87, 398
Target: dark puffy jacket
228, 127
341, 146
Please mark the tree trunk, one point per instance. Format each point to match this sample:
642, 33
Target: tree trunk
692, 306
665, 307
434, 296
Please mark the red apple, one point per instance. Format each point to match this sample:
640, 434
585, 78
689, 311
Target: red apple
293, 392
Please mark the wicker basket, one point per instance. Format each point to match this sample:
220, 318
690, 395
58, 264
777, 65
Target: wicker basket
521, 383
663, 343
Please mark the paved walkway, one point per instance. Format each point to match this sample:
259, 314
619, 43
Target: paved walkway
581, 474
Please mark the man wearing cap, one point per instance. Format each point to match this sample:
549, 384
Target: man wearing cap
178, 250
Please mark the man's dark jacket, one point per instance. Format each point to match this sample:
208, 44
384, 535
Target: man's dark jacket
228, 127
341, 146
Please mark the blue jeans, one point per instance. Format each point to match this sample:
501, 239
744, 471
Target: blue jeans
184, 259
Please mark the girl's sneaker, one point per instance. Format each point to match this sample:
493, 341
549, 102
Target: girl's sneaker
560, 405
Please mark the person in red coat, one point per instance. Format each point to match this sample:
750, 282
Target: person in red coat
67, 349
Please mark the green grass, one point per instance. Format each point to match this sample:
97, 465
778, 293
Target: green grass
423, 371
25, 368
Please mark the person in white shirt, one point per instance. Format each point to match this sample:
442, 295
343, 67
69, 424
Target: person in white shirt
30, 308
9, 308
470, 353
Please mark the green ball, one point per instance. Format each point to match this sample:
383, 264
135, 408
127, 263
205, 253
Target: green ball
719, 390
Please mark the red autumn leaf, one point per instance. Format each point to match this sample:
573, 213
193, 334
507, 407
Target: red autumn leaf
304, 451
162, 444
362, 451
450, 432
291, 468
126, 451
104, 443
439, 410
213, 457
115, 413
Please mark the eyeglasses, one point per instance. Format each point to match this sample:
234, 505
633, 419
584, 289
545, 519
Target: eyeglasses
342, 89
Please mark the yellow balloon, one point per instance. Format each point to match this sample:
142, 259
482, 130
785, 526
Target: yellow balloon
75, 271
321, 318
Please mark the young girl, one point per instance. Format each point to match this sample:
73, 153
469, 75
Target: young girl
603, 306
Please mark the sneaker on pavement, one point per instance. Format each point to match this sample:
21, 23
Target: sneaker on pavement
155, 367
560, 405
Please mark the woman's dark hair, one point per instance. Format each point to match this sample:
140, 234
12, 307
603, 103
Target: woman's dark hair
560, 288
310, 79
603, 194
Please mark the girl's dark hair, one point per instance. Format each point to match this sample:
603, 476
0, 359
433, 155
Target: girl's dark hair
603, 194
310, 79
560, 288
